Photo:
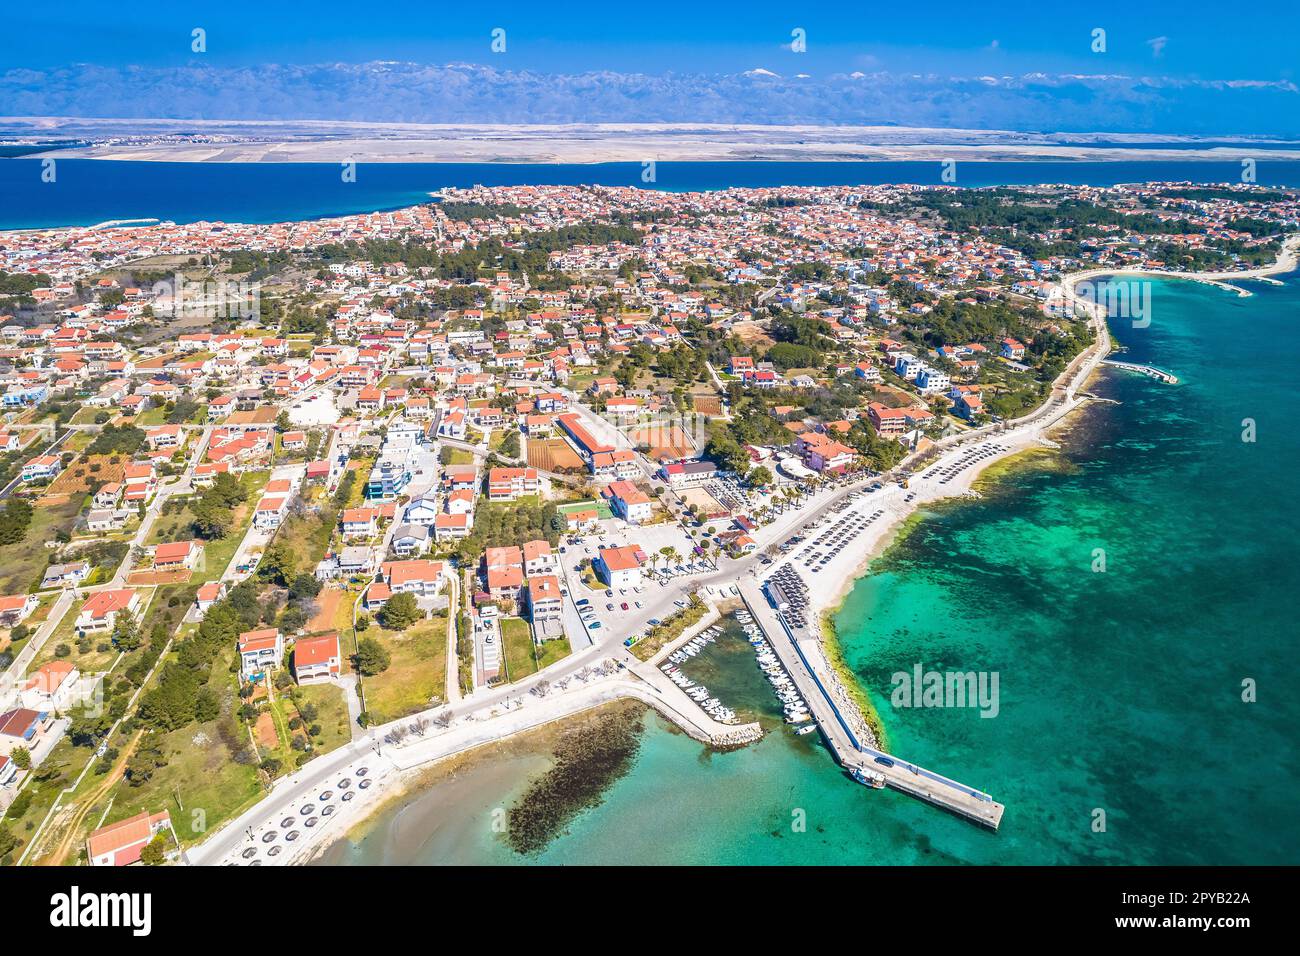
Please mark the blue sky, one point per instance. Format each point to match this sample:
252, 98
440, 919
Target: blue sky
95, 56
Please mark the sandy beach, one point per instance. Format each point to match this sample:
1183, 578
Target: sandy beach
236, 141
876, 518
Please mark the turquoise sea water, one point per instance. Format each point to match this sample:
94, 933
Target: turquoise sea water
89, 191
1120, 690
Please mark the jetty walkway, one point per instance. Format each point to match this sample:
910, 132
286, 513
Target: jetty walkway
1149, 370
800, 653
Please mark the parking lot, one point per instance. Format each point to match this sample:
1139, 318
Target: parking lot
604, 615
313, 810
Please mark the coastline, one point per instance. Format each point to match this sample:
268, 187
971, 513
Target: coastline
323, 141
826, 592
826, 602
1022, 437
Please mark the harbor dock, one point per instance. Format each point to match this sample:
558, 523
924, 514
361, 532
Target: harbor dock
1149, 370
800, 653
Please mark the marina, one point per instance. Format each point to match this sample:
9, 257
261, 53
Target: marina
797, 651
699, 693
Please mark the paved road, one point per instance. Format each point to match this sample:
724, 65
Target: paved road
485, 704
49, 450
18, 669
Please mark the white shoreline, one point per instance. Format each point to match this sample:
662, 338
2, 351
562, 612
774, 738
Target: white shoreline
321, 141
829, 586
398, 765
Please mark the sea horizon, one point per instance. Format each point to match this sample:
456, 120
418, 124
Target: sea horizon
88, 192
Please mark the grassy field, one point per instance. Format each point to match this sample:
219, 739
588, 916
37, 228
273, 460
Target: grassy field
200, 785
522, 655
151, 416
517, 648
331, 714
461, 457
25, 562
417, 673
175, 524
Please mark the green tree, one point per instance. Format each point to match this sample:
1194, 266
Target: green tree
22, 758
154, 853
279, 563
371, 658
126, 633
304, 587
400, 612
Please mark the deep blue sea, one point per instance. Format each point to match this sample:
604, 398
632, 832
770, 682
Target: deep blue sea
88, 191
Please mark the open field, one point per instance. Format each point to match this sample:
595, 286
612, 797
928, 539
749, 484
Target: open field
517, 648
554, 454
200, 785
417, 673
664, 443
137, 579
174, 524
327, 608
75, 480
706, 503
710, 405
25, 562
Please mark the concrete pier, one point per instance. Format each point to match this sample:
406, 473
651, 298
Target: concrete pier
1149, 370
801, 655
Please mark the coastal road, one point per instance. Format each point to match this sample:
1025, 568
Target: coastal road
485, 704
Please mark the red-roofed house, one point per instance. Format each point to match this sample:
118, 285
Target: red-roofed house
317, 659
178, 556
620, 567
119, 844
507, 484
100, 611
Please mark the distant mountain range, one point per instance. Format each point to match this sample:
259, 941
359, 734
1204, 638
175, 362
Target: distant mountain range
398, 92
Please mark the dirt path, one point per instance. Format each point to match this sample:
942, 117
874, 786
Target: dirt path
87, 803
328, 603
